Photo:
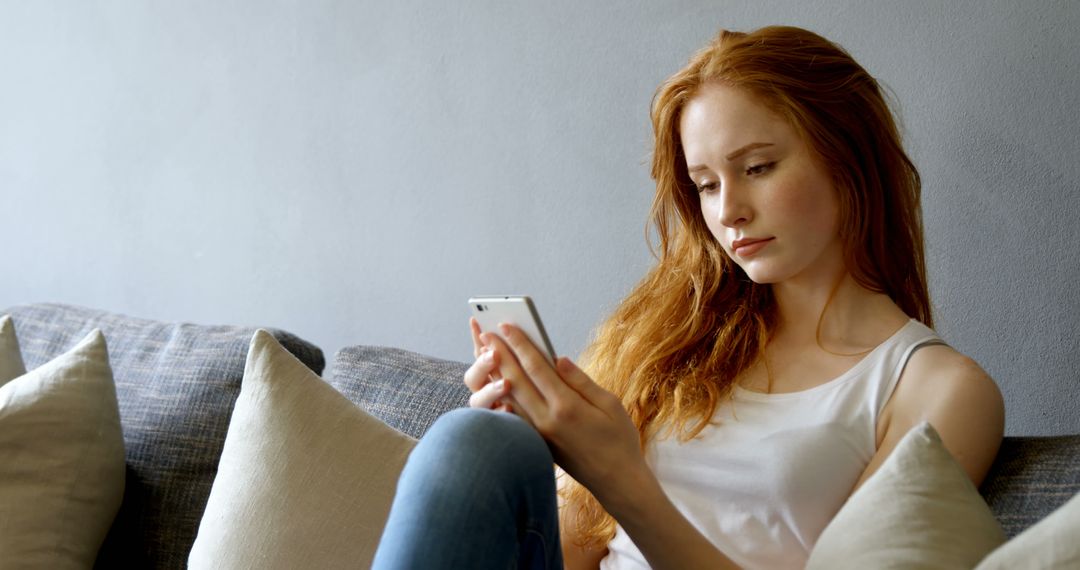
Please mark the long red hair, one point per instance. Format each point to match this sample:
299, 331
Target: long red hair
674, 347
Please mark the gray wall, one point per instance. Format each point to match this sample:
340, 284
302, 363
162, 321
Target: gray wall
353, 171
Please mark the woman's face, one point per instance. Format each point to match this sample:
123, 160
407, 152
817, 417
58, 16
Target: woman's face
760, 185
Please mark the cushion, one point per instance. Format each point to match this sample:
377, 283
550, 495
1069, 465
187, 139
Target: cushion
306, 478
1050, 544
407, 390
62, 474
1032, 476
919, 510
11, 364
176, 384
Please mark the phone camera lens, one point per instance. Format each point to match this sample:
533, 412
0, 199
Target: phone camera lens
479, 307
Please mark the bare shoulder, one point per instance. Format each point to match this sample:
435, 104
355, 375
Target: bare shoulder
962, 402
938, 376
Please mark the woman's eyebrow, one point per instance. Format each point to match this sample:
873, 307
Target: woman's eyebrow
743, 150
733, 155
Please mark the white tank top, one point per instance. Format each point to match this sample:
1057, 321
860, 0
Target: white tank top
763, 484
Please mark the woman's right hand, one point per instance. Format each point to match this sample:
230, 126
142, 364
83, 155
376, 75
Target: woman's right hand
488, 390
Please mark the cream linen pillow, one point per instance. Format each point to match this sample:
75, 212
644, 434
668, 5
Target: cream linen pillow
919, 510
62, 467
306, 478
1050, 544
11, 362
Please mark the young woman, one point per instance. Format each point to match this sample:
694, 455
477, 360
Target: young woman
758, 375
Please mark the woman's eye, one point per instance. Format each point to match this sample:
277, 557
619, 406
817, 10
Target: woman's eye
706, 187
756, 169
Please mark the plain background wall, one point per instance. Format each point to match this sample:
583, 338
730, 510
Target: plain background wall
354, 171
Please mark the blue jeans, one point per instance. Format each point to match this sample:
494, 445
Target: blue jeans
478, 491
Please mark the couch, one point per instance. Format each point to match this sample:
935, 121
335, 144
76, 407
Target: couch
176, 384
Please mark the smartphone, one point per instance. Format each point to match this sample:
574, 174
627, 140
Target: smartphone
517, 310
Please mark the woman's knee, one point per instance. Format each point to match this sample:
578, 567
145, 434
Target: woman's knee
469, 435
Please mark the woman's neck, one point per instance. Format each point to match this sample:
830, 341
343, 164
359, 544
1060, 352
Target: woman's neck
851, 317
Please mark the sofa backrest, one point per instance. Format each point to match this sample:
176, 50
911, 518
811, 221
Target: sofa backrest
1030, 478
176, 384
405, 389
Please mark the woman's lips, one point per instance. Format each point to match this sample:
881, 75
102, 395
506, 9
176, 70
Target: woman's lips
751, 248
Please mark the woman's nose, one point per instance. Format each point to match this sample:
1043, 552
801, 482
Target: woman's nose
734, 209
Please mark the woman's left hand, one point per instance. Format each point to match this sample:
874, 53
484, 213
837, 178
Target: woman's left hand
590, 434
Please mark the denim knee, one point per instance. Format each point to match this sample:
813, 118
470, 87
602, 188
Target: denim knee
502, 442
478, 491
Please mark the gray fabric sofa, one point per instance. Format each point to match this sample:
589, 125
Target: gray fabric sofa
177, 383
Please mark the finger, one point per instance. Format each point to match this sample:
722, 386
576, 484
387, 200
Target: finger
530, 402
474, 328
490, 395
532, 361
479, 373
513, 407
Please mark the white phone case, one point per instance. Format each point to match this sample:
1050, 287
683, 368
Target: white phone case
517, 310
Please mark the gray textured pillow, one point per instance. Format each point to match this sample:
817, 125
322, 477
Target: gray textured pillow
62, 473
306, 478
176, 384
407, 390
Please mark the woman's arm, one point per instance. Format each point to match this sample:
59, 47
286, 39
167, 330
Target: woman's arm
958, 398
594, 440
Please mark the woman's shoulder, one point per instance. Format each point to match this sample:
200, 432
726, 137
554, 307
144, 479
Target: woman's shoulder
942, 367
957, 396
939, 375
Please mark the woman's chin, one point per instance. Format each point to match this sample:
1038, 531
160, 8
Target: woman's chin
761, 275
765, 280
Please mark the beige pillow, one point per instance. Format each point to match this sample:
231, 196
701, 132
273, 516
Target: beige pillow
1051, 544
11, 362
306, 478
62, 467
919, 510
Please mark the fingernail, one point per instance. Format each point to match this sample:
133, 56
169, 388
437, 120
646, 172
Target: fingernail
499, 385
505, 328
487, 355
